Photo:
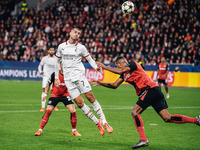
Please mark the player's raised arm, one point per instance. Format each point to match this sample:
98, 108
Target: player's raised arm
90, 60
114, 85
114, 70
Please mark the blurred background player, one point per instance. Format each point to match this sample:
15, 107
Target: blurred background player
163, 70
46, 68
58, 94
149, 94
71, 53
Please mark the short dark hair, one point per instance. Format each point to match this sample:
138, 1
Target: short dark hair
75, 27
51, 47
119, 58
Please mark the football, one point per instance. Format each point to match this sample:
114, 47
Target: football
127, 7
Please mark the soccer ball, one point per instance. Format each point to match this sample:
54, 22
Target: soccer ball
127, 7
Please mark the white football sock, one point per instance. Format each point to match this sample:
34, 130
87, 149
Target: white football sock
99, 111
73, 130
43, 102
40, 130
88, 112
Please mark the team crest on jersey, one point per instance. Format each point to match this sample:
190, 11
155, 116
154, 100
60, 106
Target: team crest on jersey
127, 76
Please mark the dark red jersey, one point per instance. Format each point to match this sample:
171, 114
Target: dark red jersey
60, 91
138, 78
163, 68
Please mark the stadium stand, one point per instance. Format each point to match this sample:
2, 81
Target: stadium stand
155, 29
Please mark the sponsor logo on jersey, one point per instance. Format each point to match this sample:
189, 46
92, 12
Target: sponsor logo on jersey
127, 76
92, 74
68, 57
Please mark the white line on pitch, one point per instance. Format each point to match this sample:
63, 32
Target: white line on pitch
104, 108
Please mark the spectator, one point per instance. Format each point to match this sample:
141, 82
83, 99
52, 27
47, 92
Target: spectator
153, 30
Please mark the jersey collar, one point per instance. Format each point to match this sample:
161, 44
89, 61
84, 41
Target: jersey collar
67, 43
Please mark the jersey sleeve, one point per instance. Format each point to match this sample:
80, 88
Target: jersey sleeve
52, 78
132, 65
84, 51
42, 62
58, 53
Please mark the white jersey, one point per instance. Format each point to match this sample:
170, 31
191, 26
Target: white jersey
71, 56
49, 64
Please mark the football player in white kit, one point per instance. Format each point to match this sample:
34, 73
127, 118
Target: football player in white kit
71, 53
48, 64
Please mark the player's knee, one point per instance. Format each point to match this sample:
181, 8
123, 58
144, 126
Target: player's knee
80, 104
90, 97
72, 111
167, 118
133, 113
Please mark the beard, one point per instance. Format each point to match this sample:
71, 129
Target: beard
51, 55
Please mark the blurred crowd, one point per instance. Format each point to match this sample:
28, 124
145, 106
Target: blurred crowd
156, 28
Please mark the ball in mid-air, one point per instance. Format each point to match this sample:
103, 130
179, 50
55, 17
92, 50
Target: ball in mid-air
127, 7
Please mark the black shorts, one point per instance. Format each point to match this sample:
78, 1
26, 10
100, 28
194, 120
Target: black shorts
162, 81
153, 97
53, 101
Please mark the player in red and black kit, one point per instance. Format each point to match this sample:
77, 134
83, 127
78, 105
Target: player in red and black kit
149, 94
163, 70
58, 94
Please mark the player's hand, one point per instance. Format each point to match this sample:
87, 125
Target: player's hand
100, 65
43, 98
163, 75
57, 82
42, 73
99, 69
95, 83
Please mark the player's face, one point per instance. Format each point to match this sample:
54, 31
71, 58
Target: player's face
75, 34
51, 51
119, 64
162, 59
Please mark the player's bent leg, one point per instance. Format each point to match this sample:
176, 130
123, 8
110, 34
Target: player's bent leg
176, 118
166, 89
43, 101
164, 114
88, 112
90, 96
97, 108
44, 120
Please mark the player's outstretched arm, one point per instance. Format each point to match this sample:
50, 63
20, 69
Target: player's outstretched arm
114, 70
114, 85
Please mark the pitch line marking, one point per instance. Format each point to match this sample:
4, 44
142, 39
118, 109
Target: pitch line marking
153, 124
104, 108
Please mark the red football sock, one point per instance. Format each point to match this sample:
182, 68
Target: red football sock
45, 119
182, 119
140, 127
73, 120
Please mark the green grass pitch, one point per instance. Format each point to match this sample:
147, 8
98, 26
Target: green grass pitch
20, 119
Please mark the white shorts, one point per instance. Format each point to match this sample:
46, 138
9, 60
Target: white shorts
44, 82
78, 87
